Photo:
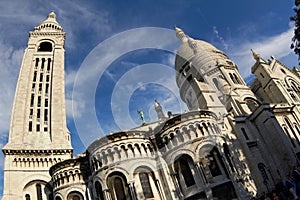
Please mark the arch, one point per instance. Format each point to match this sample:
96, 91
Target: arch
58, 198
117, 184
252, 104
144, 174
45, 47
75, 195
183, 166
98, 190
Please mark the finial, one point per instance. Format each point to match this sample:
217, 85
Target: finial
180, 34
52, 15
256, 56
159, 111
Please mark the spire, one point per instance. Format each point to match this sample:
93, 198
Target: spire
256, 56
180, 35
159, 111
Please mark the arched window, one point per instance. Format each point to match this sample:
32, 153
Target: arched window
252, 104
262, 169
292, 129
45, 46
216, 83
75, 196
213, 165
27, 197
99, 192
145, 182
184, 171
58, 198
119, 188
237, 80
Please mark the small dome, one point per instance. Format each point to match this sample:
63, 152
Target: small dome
50, 24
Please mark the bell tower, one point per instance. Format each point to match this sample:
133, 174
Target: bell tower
38, 136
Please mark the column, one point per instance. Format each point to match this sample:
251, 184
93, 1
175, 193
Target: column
107, 194
132, 191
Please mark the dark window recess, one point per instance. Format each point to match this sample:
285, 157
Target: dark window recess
39, 192
49, 64
30, 126
144, 179
119, 188
45, 46
38, 128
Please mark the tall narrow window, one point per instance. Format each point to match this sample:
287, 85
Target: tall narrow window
49, 64
43, 63
232, 78
216, 83
38, 115
237, 80
27, 197
46, 115
184, 171
47, 78
30, 126
46, 102
47, 88
39, 101
144, 179
99, 192
262, 169
36, 62
40, 87
244, 133
39, 192
187, 173
38, 128
213, 165
41, 77
119, 189
32, 100
34, 76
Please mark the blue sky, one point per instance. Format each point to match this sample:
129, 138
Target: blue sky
122, 52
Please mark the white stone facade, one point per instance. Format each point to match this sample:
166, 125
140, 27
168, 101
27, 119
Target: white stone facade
233, 143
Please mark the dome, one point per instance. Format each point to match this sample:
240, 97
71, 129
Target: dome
49, 25
189, 47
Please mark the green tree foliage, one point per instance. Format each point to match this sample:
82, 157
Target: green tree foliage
296, 39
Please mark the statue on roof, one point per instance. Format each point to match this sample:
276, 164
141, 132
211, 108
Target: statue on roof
142, 116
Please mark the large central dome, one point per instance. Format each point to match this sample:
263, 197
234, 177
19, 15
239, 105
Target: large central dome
207, 53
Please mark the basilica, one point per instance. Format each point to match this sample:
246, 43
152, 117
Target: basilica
235, 142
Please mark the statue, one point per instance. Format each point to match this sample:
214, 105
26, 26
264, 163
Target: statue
142, 116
